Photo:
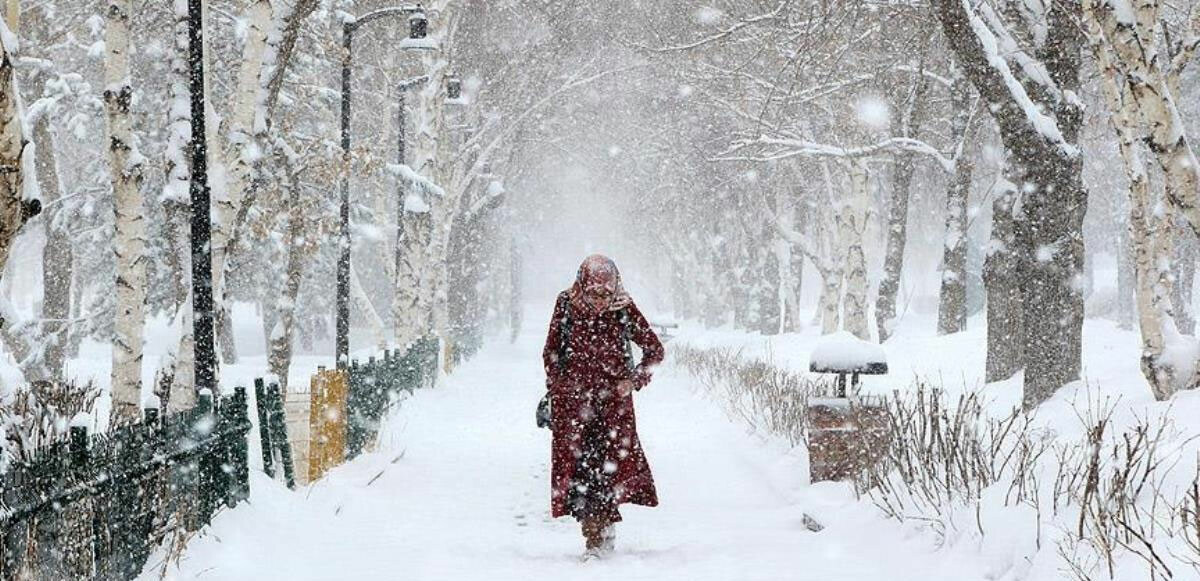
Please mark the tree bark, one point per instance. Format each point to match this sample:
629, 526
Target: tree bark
1039, 127
57, 256
853, 223
239, 154
281, 336
1184, 276
126, 166
952, 303
1005, 322
897, 225
14, 209
176, 205
1151, 229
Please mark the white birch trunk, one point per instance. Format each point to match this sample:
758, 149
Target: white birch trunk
175, 199
420, 300
852, 223
126, 166
183, 386
1138, 62
240, 155
1149, 232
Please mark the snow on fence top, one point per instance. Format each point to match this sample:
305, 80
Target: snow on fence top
842, 352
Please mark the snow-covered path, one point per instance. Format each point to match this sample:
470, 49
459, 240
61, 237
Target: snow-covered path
458, 490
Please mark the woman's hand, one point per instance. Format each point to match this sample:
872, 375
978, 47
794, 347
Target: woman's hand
624, 387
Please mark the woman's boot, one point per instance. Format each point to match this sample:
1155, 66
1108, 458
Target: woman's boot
608, 537
593, 531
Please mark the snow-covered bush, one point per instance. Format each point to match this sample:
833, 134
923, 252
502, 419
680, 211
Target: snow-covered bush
39, 414
767, 397
1036, 498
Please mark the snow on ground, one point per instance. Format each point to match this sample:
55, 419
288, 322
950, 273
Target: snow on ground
459, 489
955, 362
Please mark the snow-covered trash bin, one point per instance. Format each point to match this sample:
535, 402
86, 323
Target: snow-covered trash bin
844, 354
846, 434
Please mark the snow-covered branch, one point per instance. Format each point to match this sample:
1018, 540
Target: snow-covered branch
782, 148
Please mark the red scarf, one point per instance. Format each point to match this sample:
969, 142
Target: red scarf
598, 270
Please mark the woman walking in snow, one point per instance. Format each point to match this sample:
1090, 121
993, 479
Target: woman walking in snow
597, 460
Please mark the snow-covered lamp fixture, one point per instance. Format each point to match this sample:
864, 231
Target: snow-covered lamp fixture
453, 87
418, 25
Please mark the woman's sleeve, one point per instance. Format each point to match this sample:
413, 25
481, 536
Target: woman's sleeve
652, 349
554, 341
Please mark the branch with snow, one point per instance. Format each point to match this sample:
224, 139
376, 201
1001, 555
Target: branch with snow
783, 148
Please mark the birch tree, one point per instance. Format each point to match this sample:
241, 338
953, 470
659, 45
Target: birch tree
125, 163
1140, 87
15, 209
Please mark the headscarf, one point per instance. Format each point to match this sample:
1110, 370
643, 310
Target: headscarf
598, 270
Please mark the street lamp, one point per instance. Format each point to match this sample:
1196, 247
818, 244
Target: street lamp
418, 26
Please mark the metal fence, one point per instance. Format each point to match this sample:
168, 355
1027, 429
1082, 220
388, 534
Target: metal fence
375, 383
95, 506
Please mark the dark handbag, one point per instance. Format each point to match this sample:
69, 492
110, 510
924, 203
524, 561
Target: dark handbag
543, 412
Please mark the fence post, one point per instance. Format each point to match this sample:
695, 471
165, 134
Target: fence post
238, 454
78, 446
264, 427
355, 408
279, 433
77, 537
201, 428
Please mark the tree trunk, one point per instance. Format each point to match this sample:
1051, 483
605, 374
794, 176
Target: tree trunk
283, 331
1184, 275
1005, 322
126, 166
57, 257
14, 210
1150, 229
239, 157
1149, 86
175, 207
897, 224
1040, 133
952, 304
853, 223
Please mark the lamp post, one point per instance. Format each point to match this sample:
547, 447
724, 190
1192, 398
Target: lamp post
202, 295
418, 27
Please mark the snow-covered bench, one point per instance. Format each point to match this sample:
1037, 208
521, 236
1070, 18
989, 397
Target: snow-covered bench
844, 354
662, 328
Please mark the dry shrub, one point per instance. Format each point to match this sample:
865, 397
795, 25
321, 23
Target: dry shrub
40, 413
766, 397
1099, 502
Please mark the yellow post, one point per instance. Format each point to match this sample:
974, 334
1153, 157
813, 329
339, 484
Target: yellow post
447, 355
327, 421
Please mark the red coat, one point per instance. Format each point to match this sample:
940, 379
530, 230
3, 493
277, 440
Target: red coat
595, 363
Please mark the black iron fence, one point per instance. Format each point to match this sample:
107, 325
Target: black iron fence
376, 383
95, 506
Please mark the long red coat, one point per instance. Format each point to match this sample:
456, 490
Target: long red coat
595, 363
